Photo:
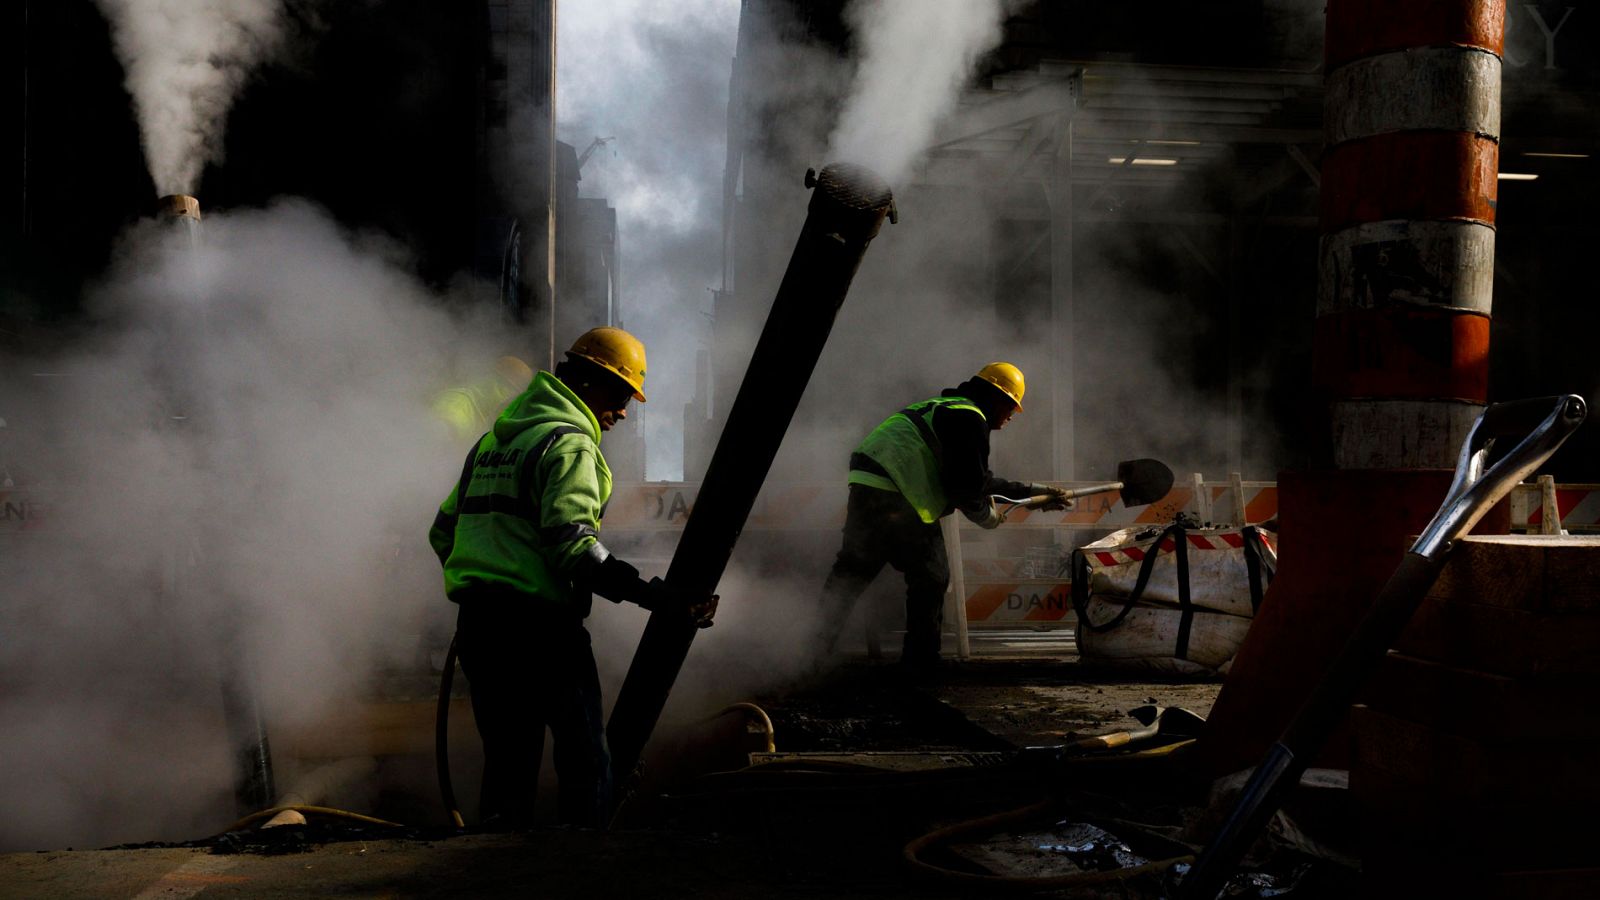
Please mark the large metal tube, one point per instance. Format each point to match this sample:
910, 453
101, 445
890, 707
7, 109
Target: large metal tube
241, 702
253, 787
847, 208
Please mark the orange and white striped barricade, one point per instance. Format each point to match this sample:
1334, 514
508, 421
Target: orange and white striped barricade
1549, 508
985, 592
665, 506
22, 515
20, 511
1009, 593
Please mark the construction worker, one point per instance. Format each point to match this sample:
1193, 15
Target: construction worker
519, 540
919, 465
470, 410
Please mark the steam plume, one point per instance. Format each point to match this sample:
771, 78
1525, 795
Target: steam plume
915, 56
281, 524
185, 62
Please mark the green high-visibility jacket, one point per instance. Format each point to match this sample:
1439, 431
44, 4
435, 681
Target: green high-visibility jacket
526, 511
471, 408
906, 448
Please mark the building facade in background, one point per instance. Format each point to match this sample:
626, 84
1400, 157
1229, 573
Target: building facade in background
1125, 203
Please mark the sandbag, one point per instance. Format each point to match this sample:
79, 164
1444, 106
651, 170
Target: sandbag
1147, 638
1171, 599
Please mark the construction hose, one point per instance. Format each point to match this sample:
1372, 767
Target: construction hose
1016, 883
312, 810
441, 736
766, 720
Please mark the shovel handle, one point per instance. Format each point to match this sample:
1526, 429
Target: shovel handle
1542, 425
1105, 488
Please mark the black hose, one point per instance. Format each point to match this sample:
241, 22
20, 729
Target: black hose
441, 736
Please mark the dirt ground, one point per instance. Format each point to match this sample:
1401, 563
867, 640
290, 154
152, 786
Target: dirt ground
784, 834
1047, 701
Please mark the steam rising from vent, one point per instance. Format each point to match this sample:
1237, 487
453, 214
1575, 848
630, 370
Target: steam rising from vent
185, 61
915, 57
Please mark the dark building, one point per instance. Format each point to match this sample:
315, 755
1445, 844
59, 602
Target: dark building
429, 122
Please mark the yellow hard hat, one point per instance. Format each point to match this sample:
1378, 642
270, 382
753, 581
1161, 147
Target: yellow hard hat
1007, 378
615, 351
514, 372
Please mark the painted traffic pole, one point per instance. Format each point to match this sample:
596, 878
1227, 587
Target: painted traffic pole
1400, 348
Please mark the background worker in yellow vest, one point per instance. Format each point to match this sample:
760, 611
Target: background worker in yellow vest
470, 409
921, 464
519, 539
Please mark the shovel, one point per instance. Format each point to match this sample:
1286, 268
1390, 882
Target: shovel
1140, 481
1159, 721
1542, 424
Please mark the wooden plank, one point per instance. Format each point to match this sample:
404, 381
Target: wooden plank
1537, 573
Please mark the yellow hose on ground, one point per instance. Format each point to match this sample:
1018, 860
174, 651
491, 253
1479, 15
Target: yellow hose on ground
313, 810
766, 720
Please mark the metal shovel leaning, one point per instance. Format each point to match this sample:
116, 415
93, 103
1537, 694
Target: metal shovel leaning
1140, 481
1542, 425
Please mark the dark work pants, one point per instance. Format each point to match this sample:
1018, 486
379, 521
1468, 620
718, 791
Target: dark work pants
530, 670
881, 527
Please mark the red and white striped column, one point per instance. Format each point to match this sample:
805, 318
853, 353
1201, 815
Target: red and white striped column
1409, 183
1400, 355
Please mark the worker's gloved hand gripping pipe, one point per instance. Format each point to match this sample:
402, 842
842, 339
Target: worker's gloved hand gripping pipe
620, 582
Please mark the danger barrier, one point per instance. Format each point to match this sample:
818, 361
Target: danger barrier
665, 506
656, 506
1021, 592
999, 592
1549, 508
19, 512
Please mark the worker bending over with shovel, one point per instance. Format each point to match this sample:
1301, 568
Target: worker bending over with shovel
519, 540
923, 463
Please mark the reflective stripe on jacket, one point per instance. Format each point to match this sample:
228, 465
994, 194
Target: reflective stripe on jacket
527, 507
908, 451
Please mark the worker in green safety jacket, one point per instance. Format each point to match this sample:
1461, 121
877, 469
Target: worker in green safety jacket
468, 410
918, 466
519, 540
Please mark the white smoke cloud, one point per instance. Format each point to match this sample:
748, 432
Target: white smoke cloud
654, 76
915, 55
185, 62
279, 526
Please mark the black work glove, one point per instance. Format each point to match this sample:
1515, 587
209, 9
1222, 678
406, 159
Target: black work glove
618, 582
1058, 497
986, 518
700, 611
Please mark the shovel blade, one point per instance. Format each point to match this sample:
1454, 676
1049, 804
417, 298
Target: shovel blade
1143, 481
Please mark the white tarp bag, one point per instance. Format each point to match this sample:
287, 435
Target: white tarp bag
1171, 599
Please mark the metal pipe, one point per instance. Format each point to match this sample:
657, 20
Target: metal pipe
241, 701
183, 212
253, 787
846, 211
